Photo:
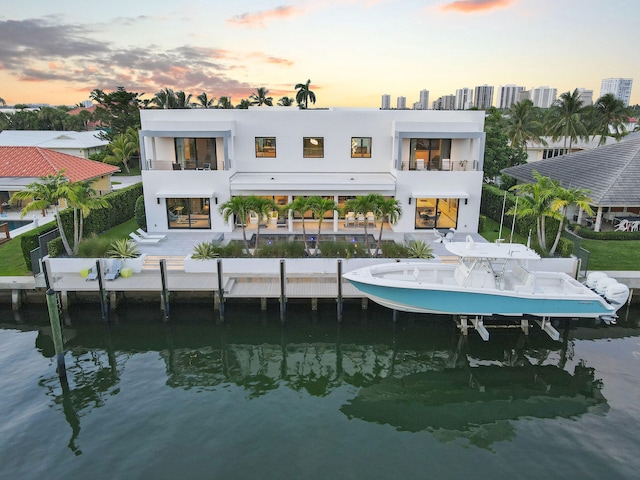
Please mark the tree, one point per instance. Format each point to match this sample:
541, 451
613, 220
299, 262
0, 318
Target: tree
535, 200
244, 104
82, 198
117, 111
386, 209
224, 102
498, 154
609, 113
565, 119
285, 102
563, 198
301, 206
2, 102
121, 148
304, 95
523, 124
183, 100
319, 206
361, 205
205, 101
238, 207
262, 207
260, 97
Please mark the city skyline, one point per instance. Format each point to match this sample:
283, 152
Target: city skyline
353, 51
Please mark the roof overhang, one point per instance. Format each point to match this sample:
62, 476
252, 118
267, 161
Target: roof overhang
312, 183
184, 193
437, 194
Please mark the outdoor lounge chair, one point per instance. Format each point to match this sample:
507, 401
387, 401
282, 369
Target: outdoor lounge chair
623, 226
93, 274
138, 239
144, 234
113, 271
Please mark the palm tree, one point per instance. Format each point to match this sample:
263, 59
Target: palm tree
301, 206
610, 114
224, 102
244, 104
565, 119
164, 99
183, 100
522, 124
2, 102
205, 101
387, 209
47, 191
285, 102
304, 95
535, 200
122, 147
361, 205
563, 198
320, 206
82, 197
262, 207
238, 207
260, 97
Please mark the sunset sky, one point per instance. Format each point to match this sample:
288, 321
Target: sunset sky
352, 50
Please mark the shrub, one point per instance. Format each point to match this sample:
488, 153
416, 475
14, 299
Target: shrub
282, 250
29, 240
419, 249
590, 234
482, 220
123, 248
343, 249
205, 251
393, 250
565, 247
93, 247
140, 213
56, 248
232, 250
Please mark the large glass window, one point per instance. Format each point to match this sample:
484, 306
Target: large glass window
191, 213
313, 147
196, 153
427, 153
266, 147
360, 147
436, 213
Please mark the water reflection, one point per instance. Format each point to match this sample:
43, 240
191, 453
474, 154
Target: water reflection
412, 375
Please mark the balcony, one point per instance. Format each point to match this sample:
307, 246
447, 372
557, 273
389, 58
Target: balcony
440, 165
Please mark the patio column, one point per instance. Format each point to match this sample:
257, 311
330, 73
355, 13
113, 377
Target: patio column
290, 214
336, 215
596, 227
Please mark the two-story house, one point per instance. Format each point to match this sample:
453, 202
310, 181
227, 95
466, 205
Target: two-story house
194, 160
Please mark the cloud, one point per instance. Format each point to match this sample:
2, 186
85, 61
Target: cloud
468, 6
259, 19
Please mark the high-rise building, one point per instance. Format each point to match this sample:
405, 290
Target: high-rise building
586, 96
524, 95
464, 99
424, 99
508, 95
386, 102
483, 96
445, 102
543, 97
620, 87
401, 103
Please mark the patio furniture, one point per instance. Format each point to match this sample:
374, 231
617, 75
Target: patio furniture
371, 219
144, 234
113, 271
141, 240
91, 274
350, 219
360, 219
207, 166
623, 226
634, 226
419, 164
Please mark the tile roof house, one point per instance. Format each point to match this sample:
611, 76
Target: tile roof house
610, 173
78, 144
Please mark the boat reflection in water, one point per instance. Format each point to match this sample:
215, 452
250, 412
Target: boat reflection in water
414, 375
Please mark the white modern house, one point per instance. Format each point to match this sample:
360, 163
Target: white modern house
196, 159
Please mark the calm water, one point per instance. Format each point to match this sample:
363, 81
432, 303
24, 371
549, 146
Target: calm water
314, 400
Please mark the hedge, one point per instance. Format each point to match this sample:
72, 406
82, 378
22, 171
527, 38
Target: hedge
585, 232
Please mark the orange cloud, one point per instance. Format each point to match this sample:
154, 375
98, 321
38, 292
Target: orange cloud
53, 65
270, 59
467, 6
259, 19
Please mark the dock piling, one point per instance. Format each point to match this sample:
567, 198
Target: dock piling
220, 290
104, 301
165, 289
339, 299
283, 293
56, 332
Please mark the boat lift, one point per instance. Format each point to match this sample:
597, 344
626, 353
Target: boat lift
465, 322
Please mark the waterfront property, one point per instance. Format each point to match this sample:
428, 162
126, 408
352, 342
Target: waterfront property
195, 160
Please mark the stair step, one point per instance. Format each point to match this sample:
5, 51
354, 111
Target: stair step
152, 262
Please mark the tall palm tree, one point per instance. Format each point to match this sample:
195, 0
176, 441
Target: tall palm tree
164, 99
361, 205
535, 200
205, 101
386, 209
304, 94
285, 102
43, 193
82, 197
183, 100
262, 207
122, 147
320, 206
224, 102
566, 119
522, 124
563, 198
609, 114
2, 102
244, 104
238, 207
301, 206
260, 97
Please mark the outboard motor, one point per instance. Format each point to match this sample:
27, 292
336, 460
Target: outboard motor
593, 278
603, 283
616, 294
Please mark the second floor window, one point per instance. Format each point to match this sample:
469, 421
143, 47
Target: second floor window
360, 147
266, 147
313, 147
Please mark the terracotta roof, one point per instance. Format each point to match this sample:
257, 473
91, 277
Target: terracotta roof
38, 162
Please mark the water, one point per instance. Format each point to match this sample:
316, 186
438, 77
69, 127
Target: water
327, 237
14, 224
314, 400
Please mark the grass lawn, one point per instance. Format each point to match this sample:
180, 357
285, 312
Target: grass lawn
613, 254
492, 228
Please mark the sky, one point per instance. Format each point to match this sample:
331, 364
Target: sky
353, 51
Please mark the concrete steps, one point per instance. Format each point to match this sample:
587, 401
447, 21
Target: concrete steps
152, 263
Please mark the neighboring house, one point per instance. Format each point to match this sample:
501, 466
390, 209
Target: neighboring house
194, 160
78, 144
20, 166
91, 125
611, 175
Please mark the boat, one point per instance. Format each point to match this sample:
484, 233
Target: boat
490, 279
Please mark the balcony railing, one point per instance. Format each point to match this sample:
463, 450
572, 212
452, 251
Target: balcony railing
444, 165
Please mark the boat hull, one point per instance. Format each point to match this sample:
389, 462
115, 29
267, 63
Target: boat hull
443, 300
